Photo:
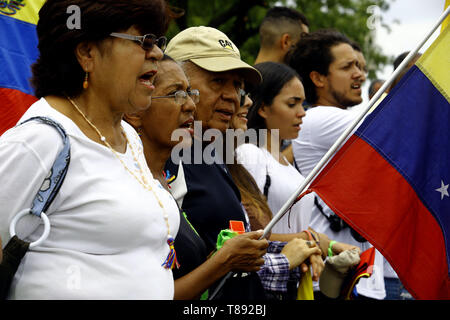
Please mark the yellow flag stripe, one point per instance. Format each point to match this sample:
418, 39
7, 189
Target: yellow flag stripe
435, 63
24, 10
445, 23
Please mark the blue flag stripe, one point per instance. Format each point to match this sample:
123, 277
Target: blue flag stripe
18, 50
412, 133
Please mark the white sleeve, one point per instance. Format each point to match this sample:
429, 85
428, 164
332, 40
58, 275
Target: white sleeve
27, 153
332, 124
254, 160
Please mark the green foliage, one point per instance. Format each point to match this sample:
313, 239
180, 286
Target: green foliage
240, 20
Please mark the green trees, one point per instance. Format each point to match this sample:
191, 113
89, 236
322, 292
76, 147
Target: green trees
240, 20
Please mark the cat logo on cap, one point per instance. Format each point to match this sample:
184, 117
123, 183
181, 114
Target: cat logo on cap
226, 44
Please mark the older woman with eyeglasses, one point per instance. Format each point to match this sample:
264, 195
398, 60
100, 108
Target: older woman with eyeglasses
112, 224
172, 115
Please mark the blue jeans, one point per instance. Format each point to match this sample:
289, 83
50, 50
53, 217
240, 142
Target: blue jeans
395, 290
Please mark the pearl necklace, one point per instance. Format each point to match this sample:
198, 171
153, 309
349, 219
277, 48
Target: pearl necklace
171, 259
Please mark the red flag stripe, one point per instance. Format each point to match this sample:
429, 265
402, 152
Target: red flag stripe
374, 178
13, 104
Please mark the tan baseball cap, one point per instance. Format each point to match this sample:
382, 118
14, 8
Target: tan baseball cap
212, 50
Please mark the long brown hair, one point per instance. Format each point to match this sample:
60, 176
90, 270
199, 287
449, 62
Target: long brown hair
251, 196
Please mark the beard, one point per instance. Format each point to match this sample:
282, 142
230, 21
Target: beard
344, 101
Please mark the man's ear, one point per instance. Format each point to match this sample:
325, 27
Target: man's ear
134, 119
318, 79
285, 41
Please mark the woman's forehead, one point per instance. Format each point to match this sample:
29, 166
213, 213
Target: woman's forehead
170, 72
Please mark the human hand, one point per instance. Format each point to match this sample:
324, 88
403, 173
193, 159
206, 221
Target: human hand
317, 266
324, 241
244, 252
298, 250
339, 247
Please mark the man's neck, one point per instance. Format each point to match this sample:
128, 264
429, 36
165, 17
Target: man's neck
323, 101
269, 55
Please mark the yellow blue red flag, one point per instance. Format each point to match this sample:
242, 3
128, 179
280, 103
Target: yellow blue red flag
390, 181
18, 51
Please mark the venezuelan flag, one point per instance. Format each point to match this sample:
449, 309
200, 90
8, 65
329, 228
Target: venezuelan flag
18, 50
390, 181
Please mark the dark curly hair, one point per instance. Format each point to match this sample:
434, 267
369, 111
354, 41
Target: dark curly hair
275, 76
57, 71
313, 53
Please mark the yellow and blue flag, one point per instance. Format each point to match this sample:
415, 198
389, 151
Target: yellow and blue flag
18, 51
391, 180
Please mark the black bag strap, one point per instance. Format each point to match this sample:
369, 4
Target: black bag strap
13, 253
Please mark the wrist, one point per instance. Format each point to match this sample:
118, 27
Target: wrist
330, 248
312, 237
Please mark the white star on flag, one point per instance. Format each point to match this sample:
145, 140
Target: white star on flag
443, 190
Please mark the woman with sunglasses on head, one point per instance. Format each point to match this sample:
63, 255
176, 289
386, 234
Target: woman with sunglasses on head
172, 115
112, 225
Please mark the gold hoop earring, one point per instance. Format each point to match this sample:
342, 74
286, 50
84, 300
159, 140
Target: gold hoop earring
85, 82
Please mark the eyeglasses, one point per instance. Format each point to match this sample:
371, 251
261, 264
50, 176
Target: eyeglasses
181, 96
147, 41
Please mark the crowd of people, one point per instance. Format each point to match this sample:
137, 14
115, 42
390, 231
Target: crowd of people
130, 222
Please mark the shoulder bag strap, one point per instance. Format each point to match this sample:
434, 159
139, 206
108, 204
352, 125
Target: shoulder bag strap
51, 184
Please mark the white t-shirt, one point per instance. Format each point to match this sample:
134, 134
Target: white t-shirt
108, 236
285, 180
321, 127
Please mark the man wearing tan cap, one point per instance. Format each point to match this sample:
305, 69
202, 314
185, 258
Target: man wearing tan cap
213, 65
206, 192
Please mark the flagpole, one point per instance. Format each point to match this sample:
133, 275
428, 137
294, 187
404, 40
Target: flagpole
312, 175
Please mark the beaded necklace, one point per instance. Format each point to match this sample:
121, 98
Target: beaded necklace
171, 259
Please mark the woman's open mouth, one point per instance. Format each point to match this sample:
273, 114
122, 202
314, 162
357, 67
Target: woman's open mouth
188, 125
147, 79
